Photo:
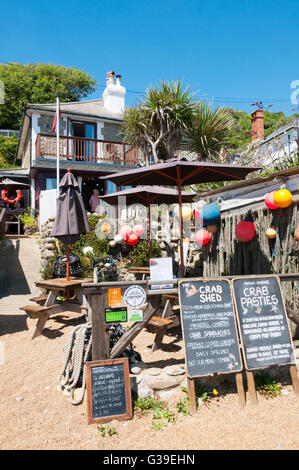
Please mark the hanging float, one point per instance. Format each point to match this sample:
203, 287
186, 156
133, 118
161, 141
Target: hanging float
271, 233
132, 239
245, 230
210, 214
269, 201
283, 198
202, 236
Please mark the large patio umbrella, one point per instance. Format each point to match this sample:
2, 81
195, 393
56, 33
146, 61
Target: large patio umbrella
180, 172
148, 195
71, 220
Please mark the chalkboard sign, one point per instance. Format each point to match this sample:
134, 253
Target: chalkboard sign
263, 322
108, 390
209, 327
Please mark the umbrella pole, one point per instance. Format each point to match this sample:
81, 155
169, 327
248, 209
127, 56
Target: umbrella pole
181, 230
149, 230
67, 263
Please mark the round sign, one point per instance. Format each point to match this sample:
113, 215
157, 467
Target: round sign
135, 296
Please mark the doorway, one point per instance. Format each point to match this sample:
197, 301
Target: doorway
84, 146
88, 185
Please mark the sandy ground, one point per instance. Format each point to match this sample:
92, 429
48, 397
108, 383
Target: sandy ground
35, 415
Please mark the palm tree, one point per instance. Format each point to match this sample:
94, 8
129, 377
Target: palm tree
160, 120
208, 133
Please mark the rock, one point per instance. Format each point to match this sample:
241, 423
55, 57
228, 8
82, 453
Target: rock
135, 370
154, 371
47, 387
200, 402
19, 399
174, 370
285, 393
163, 381
167, 394
144, 392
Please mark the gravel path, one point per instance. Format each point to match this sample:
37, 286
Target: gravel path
35, 415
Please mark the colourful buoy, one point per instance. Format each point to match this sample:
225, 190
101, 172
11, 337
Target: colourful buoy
132, 239
283, 198
271, 233
126, 231
202, 236
269, 201
245, 231
210, 214
138, 230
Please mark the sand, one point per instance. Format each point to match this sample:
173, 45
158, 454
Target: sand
35, 415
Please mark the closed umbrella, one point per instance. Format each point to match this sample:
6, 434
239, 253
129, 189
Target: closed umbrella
71, 220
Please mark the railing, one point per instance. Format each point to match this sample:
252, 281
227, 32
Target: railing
86, 150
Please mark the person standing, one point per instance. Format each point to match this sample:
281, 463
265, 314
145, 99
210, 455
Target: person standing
94, 201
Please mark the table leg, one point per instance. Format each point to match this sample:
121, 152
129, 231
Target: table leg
51, 298
40, 325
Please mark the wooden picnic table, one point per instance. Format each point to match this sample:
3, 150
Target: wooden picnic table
49, 306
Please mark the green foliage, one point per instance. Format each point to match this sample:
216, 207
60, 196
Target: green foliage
139, 255
183, 406
8, 147
143, 405
157, 124
39, 83
161, 415
267, 386
105, 429
207, 135
29, 217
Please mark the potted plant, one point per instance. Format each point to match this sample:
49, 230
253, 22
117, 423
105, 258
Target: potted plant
29, 221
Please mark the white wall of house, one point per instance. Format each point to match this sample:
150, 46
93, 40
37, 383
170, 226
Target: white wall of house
35, 132
277, 148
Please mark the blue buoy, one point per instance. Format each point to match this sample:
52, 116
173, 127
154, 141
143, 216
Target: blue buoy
210, 214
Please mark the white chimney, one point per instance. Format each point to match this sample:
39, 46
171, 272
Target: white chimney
114, 94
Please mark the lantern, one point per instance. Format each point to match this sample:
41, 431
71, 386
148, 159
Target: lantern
245, 231
210, 214
269, 201
106, 228
126, 231
212, 228
202, 236
138, 230
118, 238
186, 213
271, 233
283, 198
196, 214
132, 239
296, 234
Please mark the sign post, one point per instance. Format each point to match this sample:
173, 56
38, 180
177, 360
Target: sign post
264, 329
210, 332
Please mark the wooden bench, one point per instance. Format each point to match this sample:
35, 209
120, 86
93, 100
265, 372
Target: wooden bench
43, 313
39, 300
159, 325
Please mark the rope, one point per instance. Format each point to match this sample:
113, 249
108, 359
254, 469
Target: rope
75, 355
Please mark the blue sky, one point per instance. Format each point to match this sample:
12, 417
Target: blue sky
235, 51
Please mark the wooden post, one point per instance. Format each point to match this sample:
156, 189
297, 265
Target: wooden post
295, 380
240, 389
251, 387
100, 338
192, 396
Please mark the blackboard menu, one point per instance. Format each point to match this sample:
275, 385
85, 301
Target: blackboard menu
108, 390
209, 327
263, 323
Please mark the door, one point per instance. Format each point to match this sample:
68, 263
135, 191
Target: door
84, 145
